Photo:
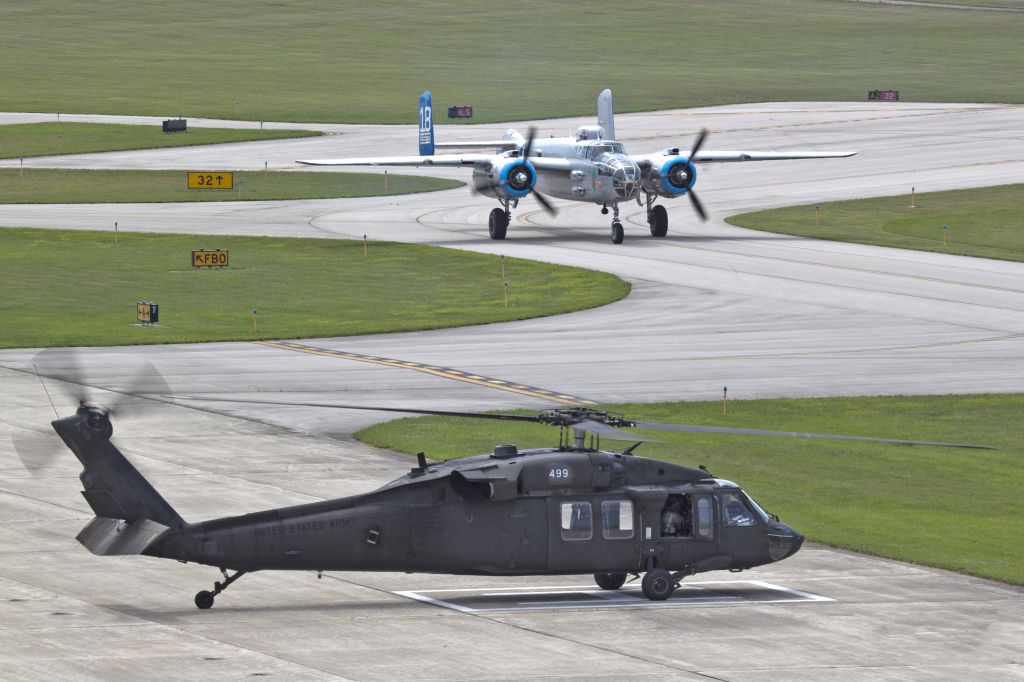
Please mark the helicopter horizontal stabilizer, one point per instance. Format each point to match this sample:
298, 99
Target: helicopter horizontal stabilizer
117, 537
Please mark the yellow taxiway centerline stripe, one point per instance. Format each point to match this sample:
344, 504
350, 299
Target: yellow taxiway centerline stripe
443, 372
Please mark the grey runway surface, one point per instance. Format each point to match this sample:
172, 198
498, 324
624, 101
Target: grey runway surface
712, 305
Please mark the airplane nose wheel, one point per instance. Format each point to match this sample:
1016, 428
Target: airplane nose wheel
617, 232
658, 585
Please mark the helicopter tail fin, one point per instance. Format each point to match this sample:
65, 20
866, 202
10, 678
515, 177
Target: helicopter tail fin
115, 489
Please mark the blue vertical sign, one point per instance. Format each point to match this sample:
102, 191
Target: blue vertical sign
426, 125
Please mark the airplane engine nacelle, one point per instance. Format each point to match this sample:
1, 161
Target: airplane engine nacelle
672, 176
514, 179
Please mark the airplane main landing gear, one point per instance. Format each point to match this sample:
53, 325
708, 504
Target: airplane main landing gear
497, 223
204, 598
657, 218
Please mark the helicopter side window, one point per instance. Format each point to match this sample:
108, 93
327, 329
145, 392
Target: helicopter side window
735, 512
677, 517
577, 521
704, 516
616, 519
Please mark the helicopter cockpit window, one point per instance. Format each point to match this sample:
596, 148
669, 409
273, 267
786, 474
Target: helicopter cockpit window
735, 512
616, 519
577, 521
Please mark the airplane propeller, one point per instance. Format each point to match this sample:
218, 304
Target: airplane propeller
596, 421
62, 377
541, 199
526, 150
694, 201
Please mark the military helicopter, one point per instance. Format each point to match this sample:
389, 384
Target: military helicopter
591, 166
570, 509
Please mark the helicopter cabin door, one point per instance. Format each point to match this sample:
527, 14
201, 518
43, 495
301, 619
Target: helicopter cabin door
592, 534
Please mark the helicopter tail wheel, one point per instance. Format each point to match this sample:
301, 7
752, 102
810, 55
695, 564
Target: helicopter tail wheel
204, 598
659, 221
497, 224
618, 234
658, 585
610, 581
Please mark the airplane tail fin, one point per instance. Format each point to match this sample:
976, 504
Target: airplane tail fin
426, 125
605, 117
131, 514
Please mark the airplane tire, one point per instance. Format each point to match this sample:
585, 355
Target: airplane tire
497, 224
618, 234
610, 581
204, 599
658, 585
659, 221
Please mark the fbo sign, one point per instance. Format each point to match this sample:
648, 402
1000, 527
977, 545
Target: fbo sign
204, 258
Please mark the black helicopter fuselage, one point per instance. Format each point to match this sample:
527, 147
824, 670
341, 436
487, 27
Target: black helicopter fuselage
531, 512
567, 510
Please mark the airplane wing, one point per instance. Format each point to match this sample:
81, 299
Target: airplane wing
483, 144
714, 157
476, 160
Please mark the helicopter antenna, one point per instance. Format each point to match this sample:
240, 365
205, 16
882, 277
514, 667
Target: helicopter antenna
629, 451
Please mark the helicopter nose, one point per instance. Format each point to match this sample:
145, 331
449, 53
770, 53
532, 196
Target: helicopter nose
783, 542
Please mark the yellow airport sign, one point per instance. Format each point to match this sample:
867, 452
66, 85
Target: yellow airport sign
209, 258
211, 180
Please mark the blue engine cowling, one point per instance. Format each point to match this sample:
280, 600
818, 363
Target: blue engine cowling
512, 180
674, 177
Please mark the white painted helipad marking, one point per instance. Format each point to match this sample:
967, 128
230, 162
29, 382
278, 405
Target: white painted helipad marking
590, 598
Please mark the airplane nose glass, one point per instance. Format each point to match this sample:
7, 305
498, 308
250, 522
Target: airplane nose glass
625, 179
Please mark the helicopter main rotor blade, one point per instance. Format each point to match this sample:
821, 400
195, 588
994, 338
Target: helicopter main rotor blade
409, 410
796, 434
608, 431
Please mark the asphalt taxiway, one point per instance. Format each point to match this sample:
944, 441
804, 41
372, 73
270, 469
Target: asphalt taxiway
712, 305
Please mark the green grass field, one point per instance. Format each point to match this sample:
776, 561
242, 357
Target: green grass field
325, 60
63, 288
60, 186
955, 509
44, 139
986, 222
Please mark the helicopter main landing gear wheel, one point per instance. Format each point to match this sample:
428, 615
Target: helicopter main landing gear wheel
204, 598
497, 223
658, 220
658, 585
610, 581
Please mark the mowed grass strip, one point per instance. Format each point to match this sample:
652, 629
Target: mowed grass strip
956, 509
348, 61
46, 139
69, 288
63, 186
986, 222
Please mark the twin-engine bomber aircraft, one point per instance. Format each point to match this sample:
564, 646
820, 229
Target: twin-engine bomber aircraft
590, 167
